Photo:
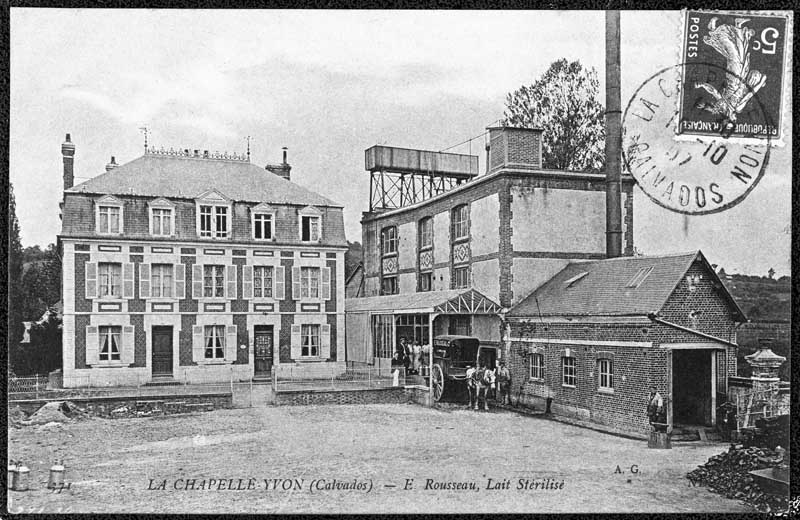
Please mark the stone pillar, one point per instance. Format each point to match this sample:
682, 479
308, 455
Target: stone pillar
765, 364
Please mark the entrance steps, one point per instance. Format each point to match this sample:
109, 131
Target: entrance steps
684, 432
165, 381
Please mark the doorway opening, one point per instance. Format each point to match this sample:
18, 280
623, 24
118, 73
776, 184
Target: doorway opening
692, 387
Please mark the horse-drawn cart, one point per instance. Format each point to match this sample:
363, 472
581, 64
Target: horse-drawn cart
451, 357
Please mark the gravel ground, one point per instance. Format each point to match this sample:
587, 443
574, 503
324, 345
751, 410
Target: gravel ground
114, 464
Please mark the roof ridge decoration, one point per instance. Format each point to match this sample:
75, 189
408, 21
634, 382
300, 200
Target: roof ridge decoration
195, 154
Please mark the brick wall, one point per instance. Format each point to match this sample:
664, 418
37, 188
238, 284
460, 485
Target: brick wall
185, 341
285, 339
81, 303
136, 304
140, 341
242, 338
81, 322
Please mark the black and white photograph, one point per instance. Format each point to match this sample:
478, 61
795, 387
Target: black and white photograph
425, 261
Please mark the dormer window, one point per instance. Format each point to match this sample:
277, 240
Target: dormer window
213, 215
310, 224
263, 222
162, 218
109, 216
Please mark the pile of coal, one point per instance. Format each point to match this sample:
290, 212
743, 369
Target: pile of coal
728, 475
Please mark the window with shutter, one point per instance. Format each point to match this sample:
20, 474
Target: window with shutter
144, 280
197, 281
325, 341
91, 280
295, 350
280, 283
180, 281
296, 282
197, 343
92, 345
128, 344
326, 283
247, 282
230, 282
230, 343
127, 280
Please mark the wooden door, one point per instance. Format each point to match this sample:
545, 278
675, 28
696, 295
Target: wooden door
263, 350
162, 351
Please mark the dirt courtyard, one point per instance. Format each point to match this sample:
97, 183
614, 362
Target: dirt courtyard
353, 459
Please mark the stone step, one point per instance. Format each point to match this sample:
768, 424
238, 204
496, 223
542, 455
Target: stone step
163, 382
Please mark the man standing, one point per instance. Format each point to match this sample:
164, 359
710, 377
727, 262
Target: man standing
504, 383
655, 409
471, 387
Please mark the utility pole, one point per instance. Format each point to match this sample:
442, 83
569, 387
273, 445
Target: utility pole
613, 149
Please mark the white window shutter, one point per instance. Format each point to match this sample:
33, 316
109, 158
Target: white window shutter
144, 280
128, 345
180, 281
230, 282
280, 283
91, 280
197, 281
92, 345
325, 341
296, 282
295, 351
197, 343
247, 282
127, 280
230, 343
326, 283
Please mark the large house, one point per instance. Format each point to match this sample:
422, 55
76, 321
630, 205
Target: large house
197, 267
449, 264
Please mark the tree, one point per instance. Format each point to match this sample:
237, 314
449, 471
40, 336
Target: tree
14, 324
564, 103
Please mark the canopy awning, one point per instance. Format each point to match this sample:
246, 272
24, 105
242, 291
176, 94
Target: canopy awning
455, 301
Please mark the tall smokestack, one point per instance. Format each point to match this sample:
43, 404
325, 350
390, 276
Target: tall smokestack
68, 155
613, 148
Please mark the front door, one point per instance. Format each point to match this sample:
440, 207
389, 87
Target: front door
263, 350
162, 351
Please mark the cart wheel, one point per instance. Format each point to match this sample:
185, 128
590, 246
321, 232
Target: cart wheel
438, 382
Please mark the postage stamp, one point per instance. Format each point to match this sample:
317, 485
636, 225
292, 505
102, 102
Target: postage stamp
729, 58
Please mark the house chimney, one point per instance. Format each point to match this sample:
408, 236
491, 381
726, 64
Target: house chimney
113, 164
281, 170
514, 148
68, 155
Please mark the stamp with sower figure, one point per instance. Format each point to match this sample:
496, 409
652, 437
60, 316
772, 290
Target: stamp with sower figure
697, 135
750, 51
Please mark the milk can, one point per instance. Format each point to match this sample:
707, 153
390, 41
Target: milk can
22, 478
12, 474
56, 479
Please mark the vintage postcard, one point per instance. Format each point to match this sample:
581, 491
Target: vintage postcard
298, 261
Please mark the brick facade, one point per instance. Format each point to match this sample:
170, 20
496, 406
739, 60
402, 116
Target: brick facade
641, 351
136, 250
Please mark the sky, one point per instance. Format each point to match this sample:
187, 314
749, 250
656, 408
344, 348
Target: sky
328, 85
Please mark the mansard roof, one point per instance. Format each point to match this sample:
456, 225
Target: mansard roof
179, 176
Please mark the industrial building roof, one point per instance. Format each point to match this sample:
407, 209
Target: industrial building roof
454, 301
160, 175
625, 286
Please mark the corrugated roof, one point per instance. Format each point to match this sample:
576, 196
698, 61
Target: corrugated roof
188, 177
418, 301
604, 290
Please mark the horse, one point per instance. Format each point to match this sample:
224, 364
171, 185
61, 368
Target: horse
478, 383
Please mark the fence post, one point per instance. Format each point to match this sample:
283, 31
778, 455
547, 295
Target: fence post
369, 378
36, 378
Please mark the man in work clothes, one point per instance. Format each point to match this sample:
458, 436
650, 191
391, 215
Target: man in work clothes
655, 410
504, 384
